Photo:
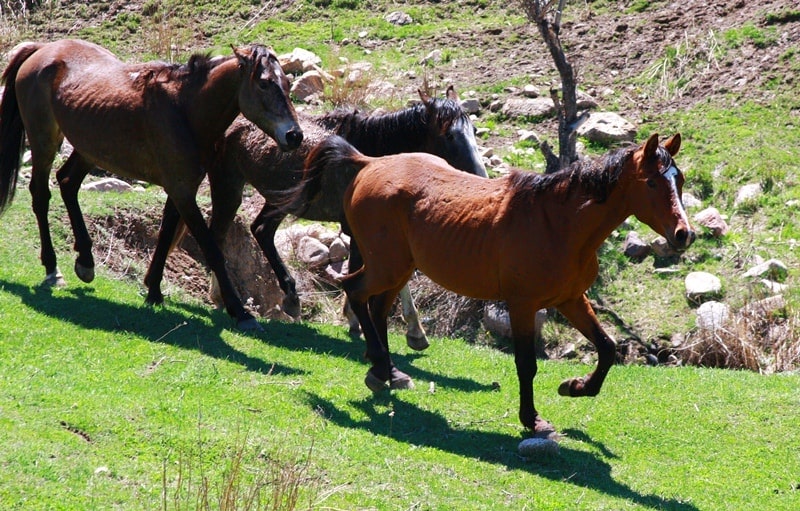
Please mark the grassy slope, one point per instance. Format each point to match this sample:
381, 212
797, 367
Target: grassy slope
91, 359
98, 394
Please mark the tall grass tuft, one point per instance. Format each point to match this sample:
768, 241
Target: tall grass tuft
276, 481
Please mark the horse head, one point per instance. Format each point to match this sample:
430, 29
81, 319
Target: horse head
452, 134
658, 200
264, 96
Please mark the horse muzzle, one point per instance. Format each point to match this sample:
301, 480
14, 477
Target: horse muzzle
682, 238
294, 137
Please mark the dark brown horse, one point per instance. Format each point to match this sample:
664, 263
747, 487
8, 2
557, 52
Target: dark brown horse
154, 122
435, 125
528, 239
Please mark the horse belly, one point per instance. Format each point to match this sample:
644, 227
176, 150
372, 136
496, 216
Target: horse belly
464, 264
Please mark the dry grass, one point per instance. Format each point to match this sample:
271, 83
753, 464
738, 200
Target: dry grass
269, 482
755, 339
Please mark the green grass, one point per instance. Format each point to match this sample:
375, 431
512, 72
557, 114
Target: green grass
102, 399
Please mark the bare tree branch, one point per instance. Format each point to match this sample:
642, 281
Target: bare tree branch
541, 12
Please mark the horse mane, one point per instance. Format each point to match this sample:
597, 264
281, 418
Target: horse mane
596, 178
375, 134
194, 71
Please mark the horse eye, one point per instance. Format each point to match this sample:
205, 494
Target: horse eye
651, 183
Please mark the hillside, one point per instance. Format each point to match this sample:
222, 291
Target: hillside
724, 73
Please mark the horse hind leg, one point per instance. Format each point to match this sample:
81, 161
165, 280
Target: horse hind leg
43, 152
415, 334
69, 177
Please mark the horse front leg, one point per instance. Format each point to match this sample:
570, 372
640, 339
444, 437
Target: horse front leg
191, 215
415, 334
523, 331
264, 228
579, 312
226, 186
69, 177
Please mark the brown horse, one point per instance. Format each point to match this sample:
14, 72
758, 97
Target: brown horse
246, 155
154, 122
528, 239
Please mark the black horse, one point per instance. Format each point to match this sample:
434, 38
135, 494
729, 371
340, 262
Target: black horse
436, 125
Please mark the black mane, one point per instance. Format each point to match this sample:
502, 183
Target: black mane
376, 134
596, 177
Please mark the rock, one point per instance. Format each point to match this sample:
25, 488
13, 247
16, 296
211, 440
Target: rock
584, 101
635, 248
298, 61
772, 269
530, 91
471, 106
764, 307
700, 284
747, 193
661, 248
433, 57
309, 86
108, 184
712, 315
528, 136
711, 219
773, 287
496, 320
690, 201
607, 128
312, 252
528, 107
536, 447
338, 251
398, 18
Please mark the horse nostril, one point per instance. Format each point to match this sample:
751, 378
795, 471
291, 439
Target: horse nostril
684, 237
294, 138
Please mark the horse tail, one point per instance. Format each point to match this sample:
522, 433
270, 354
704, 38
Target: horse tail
332, 163
12, 132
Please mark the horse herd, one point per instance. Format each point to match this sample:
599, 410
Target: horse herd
408, 186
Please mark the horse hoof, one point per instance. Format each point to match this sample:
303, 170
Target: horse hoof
291, 306
574, 387
55, 279
85, 273
374, 383
249, 325
417, 343
400, 380
543, 429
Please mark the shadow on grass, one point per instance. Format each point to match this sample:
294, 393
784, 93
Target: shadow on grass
195, 327
415, 426
182, 329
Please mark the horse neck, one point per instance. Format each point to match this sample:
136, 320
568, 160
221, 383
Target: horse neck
585, 221
216, 104
380, 135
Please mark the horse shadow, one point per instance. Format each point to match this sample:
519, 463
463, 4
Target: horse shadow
179, 325
184, 326
413, 425
355, 347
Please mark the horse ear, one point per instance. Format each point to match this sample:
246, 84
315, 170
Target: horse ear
242, 54
451, 93
650, 146
424, 96
673, 144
